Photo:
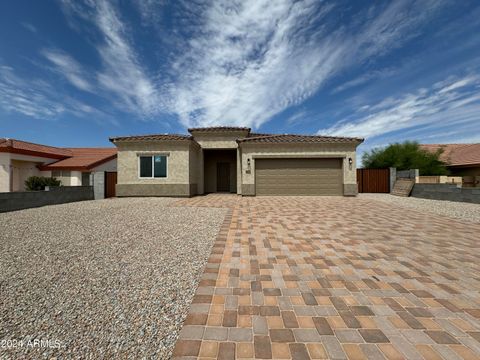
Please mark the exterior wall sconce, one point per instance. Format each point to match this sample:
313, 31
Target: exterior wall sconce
350, 163
249, 169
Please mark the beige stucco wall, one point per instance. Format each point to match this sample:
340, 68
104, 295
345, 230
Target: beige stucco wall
4, 172
180, 180
255, 151
177, 161
21, 171
209, 140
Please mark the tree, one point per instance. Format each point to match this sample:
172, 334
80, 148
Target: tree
37, 183
404, 156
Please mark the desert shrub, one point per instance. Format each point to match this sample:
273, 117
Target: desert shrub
36, 183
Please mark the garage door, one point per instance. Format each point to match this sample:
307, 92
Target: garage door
298, 177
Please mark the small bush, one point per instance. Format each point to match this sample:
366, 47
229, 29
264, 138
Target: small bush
36, 183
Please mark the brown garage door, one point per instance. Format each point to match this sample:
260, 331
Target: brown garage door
298, 177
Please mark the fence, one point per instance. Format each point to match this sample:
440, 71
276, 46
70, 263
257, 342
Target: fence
56, 195
373, 180
446, 192
439, 180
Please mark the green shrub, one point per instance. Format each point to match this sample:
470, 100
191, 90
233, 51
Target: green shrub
36, 183
404, 156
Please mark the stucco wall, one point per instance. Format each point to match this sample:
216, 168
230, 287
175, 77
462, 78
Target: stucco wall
255, 151
177, 182
218, 141
21, 171
4, 172
110, 166
194, 161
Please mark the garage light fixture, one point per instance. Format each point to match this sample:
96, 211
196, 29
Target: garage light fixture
350, 162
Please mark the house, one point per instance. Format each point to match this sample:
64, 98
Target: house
461, 159
235, 160
72, 166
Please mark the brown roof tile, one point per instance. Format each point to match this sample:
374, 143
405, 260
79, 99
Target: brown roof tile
152, 137
456, 154
83, 159
220, 128
28, 148
291, 138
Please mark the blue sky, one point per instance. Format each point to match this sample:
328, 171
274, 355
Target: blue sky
73, 73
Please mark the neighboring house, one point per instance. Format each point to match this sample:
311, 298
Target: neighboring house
233, 159
461, 159
73, 166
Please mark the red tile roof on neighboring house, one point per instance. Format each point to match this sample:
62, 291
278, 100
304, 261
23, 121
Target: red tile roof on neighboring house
165, 137
456, 154
28, 148
83, 159
220, 129
291, 138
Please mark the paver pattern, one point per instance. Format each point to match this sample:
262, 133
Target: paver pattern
336, 278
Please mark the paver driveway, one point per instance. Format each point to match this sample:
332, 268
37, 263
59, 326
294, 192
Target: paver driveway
333, 277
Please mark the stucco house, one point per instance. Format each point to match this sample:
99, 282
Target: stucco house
72, 166
235, 160
461, 159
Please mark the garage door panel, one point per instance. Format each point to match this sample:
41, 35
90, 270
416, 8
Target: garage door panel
298, 177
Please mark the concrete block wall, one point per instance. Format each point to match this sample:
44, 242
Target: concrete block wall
12, 201
98, 181
446, 192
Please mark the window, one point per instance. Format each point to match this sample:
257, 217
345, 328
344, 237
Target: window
153, 166
85, 178
59, 173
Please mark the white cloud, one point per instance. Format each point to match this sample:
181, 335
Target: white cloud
243, 61
122, 73
38, 99
69, 68
250, 60
454, 103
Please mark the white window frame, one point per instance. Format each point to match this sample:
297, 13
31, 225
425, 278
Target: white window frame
153, 166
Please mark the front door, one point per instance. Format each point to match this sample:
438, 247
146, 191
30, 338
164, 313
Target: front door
223, 177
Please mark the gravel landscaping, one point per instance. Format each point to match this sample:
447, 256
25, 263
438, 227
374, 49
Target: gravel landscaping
458, 210
100, 279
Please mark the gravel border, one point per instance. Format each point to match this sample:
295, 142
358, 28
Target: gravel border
457, 210
106, 278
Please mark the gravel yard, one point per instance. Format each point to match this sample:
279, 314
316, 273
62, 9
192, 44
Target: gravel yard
109, 278
459, 210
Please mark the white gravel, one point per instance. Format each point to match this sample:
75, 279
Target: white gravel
458, 210
106, 279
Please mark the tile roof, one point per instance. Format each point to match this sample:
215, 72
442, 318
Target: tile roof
292, 138
220, 128
28, 148
83, 159
456, 154
152, 137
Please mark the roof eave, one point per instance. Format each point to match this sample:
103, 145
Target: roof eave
12, 150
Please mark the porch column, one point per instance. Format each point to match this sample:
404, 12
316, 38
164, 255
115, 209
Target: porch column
239, 171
